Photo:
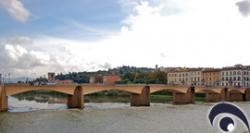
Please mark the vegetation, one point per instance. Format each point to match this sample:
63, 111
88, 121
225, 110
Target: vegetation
161, 98
128, 75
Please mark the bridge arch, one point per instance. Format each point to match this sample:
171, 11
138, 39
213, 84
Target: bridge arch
173, 89
139, 93
181, 94
93, 88
17, 89
74, 92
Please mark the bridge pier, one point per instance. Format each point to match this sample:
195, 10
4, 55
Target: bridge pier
3, 100
212, 97
76, 100
236, 96
216, 97
247, 95
142, 99
184, 98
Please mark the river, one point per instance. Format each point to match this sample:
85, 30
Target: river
43, 115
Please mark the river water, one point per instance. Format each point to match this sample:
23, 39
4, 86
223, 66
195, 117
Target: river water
41, 114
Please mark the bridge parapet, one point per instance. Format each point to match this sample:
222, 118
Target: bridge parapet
13, 89
93, 88
158, 87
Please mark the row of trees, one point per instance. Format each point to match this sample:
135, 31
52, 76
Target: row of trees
128, 75
154, 77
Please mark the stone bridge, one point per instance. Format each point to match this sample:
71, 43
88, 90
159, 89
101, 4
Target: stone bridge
140, 93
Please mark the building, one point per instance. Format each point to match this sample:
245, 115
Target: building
178, 77
64, 81
51, 77
185, 77
106, 79
237, 75
210, 77
195, 76
111, 79
92, 79
96, 79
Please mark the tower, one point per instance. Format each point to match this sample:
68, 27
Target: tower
51, 77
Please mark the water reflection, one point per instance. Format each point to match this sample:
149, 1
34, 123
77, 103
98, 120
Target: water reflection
39, 100
24, 105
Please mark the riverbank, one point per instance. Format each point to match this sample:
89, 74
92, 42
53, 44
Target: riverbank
158, 118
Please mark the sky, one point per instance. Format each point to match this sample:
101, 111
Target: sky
40, 36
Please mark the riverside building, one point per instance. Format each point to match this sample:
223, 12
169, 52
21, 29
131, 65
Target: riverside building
210, 77
238, 76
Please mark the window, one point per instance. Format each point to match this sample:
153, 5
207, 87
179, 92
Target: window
239, 78
234, 72
239, 73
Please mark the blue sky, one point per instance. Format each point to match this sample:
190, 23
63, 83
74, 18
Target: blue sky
38, 36
54, 17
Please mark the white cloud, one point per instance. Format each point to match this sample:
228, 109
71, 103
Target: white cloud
16, 9
192, 33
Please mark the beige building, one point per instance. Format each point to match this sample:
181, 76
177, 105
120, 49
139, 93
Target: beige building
211, 77
185, 77
178, 77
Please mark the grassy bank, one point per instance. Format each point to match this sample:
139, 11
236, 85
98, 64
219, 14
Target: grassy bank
104, 96
126, 98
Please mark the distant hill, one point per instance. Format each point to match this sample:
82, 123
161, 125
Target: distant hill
128, 74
